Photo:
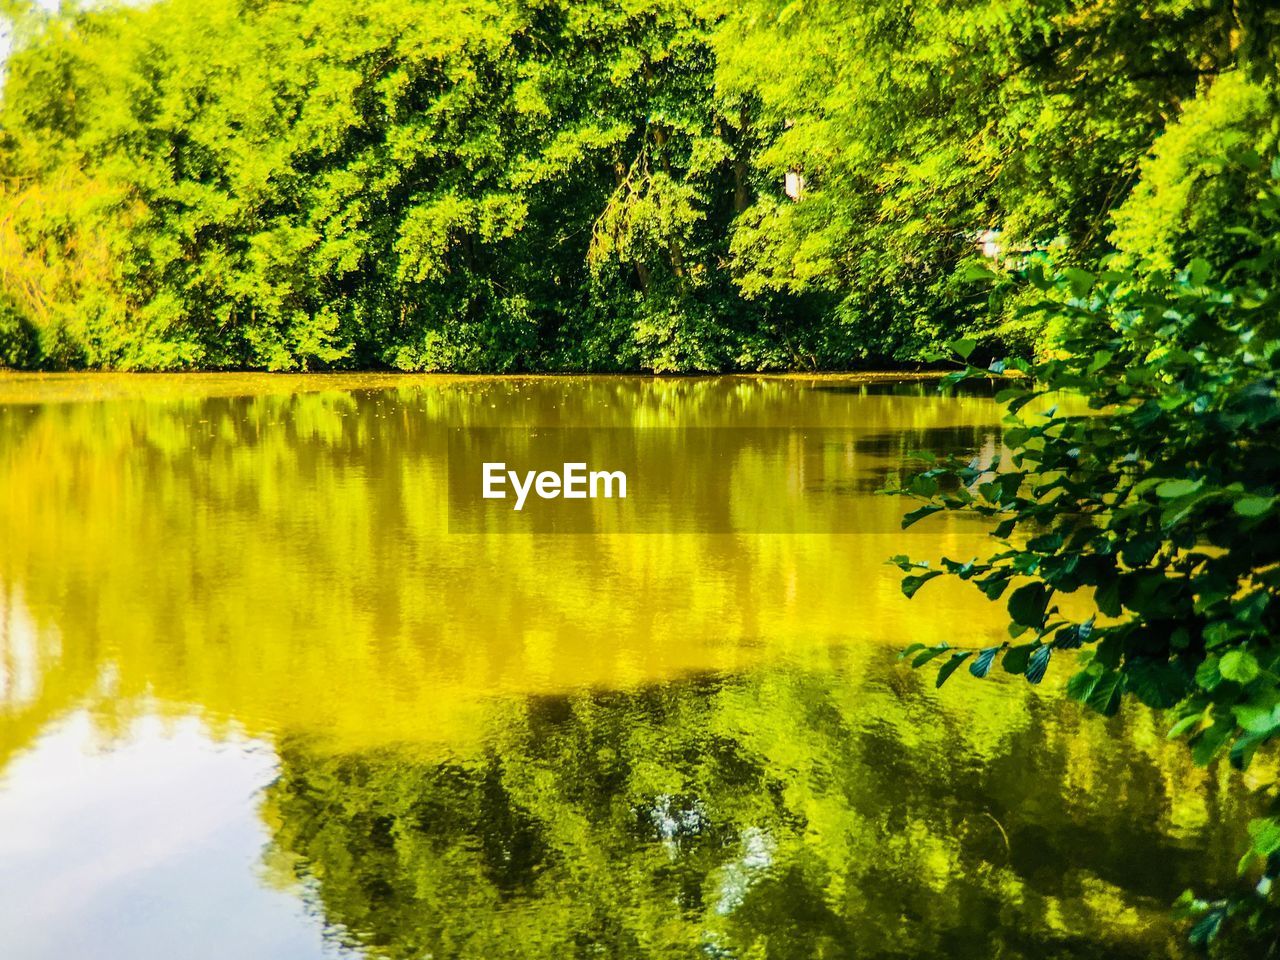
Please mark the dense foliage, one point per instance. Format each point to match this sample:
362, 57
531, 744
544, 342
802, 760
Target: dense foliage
545, 184
1153, 485
422, 185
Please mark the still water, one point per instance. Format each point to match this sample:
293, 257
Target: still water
258, 699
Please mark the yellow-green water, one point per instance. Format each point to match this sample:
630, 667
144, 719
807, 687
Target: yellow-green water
259, 699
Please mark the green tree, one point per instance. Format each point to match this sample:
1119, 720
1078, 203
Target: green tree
423, 186
545, 184
1152, 486
920, 129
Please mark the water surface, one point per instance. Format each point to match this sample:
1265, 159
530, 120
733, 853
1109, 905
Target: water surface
258, 699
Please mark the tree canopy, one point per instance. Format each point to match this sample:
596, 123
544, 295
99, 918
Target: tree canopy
600, 185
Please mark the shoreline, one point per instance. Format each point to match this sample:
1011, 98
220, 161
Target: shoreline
18, 387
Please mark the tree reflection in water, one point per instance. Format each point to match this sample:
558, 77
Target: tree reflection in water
784, 813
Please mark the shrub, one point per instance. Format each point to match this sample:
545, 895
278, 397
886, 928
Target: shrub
1152, 485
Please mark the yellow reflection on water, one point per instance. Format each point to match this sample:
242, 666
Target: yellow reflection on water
436, 750
274, 553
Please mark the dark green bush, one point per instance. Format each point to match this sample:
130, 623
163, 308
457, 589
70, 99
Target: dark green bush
1151, 484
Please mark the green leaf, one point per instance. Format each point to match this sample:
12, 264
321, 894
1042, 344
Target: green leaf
1264, 832
923, 658
964, 346
1198, 271
1238, 665
994, 585
1172, 489
1027, 604
1081, 281
948, 668
1207, 674
1158, 684
1017, 658
1255, 718
1039, 663
981, 665
977, 273
916, 515
1098, 688
1183, 725
1107, 597
923, 485
914, 582
1242, 750
1206, 930
1253, 506
1207, 743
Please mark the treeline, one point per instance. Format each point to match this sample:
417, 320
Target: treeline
667, 185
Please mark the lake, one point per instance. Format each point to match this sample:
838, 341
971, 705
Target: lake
273, 684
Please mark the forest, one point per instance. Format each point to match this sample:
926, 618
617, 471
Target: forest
600, 185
